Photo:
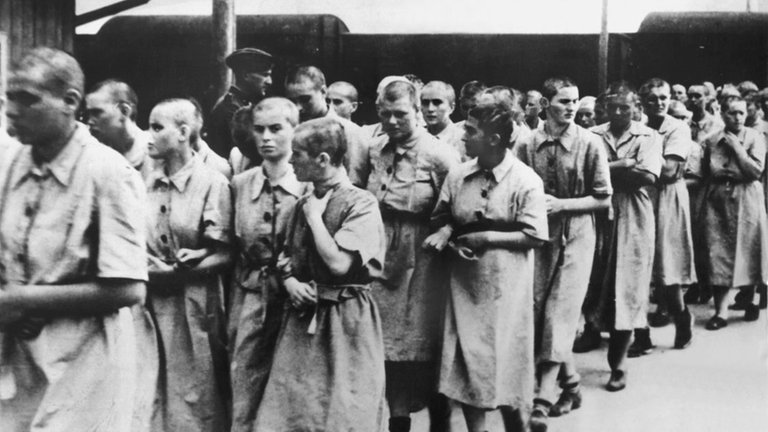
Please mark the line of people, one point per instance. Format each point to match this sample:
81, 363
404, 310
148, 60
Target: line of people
319, 275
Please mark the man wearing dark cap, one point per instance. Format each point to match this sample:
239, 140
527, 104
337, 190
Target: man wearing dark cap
253, 75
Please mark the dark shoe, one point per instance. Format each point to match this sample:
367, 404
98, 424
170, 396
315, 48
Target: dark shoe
716, 323
683, 329
539, 415
642, 344
399, 424
752, 312
659, 319
740, 301
762, 290
589, 340
618, 381
570, 399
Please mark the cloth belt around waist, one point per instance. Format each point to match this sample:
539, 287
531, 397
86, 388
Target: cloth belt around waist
338, 293
728, 180
332, 293
389, 213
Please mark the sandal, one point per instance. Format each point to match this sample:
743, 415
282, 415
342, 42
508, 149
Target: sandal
716, 323
570, 399
539, 415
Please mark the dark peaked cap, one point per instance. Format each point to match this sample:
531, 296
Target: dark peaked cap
250, 59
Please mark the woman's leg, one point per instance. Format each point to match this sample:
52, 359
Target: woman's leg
548, 372
617, 356
721, 301
475, 418
513, 419
397, 391
570, 398
682, 316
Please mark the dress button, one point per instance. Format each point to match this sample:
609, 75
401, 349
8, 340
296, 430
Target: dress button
484, 194
162, 209
267, 216
389, 170
383, 187
164, 238
29, 211
479, 215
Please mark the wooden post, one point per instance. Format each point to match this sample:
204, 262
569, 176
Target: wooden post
602, 54
224, 21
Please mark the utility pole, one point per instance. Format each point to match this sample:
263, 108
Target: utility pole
224, 31
602, 54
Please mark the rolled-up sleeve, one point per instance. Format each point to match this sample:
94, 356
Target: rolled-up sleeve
362, 232
217, 213
532, 210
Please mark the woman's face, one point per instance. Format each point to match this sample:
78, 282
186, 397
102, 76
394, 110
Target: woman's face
656, 102
620, 108
475, 140
585, 117
734, 115
562, 106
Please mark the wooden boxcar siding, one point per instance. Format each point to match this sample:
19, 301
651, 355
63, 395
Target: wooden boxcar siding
31, 23
520, 61
165, 56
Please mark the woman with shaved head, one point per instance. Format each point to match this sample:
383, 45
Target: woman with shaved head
189, 236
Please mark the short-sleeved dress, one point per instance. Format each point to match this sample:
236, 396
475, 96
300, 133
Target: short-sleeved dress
453, 135
762, 127
76, 219
573, 166
623, 301
190, 209
733, 214
328, 369
487, 355
262, 211
406, 180
673, 258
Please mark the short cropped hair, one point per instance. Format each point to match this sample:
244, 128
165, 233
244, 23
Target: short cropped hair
399, 89
553, 85
494, 118
59, 71
347, 88
471, 89
651, 84
297, 74
323, 135
444, 88
621, 88
502, 95
120, 92
288, 109
746, 87
725, 102
183, 113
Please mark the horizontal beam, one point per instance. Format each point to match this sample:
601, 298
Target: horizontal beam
109, 10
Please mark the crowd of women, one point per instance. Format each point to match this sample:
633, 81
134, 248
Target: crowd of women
328, 277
